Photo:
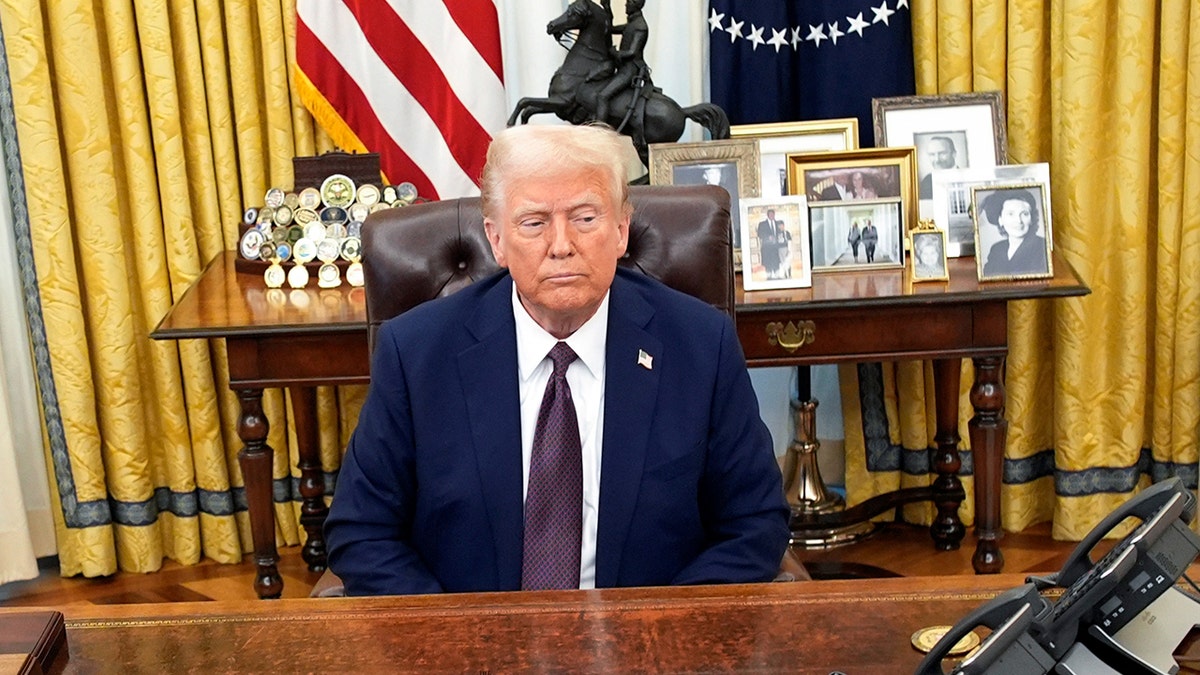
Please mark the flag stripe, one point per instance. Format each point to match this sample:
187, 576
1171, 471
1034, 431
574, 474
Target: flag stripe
416, 69
348, 100
478, 21
403, 79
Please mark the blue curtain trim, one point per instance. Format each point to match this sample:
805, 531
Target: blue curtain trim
884, 456
184, 504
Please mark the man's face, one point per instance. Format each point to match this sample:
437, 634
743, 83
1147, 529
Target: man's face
560, 239
632, 6
940, 154
770, 214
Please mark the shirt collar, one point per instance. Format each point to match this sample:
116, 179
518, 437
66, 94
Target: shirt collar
534, 343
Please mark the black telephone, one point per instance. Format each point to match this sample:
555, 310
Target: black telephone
1031, 634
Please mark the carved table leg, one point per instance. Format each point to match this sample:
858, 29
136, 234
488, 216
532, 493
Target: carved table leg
312, 481
255, 458
989, 433
947, 528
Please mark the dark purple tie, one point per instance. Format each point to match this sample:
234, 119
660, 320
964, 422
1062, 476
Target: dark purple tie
554, 503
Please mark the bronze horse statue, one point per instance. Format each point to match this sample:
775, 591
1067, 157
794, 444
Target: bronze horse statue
656, 119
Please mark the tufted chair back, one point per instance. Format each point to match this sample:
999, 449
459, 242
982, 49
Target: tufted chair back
679, 235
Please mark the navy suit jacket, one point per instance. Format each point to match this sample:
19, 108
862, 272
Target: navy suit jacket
429, 497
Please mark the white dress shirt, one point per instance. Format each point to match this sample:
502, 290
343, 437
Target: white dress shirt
585, 376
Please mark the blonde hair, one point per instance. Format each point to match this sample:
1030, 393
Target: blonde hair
552, 151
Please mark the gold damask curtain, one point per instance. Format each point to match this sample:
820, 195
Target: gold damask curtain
145, 128
1103, 391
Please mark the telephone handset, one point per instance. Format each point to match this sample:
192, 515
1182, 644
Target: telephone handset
1031, 634
1008, 649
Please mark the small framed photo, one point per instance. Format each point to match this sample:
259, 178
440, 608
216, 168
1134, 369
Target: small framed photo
777, 140
775, 243
732, 164
856, 235
952, 200
929, 255
1011, 238
949, 131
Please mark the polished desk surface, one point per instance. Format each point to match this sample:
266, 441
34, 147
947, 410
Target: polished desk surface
856, 626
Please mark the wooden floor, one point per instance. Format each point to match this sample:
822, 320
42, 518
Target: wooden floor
896, 550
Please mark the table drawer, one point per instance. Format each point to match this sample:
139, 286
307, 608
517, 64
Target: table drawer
860, 334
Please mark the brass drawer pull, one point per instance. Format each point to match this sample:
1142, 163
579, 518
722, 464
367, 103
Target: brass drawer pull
792, 336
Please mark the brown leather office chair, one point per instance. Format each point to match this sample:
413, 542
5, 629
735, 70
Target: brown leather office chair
679, 235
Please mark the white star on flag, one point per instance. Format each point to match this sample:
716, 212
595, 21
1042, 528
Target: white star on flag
645, 360
756, 36
714, 21
816, 34
857, 24
778, 39
735, 29
834, 33
882, 13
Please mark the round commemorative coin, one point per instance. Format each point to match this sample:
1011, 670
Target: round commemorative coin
328, 250
267, 251
338, 190
279, 235
337, 231
310, 198
274, 275
266, 214
250, 217
274, 198
354, 229
351, 249
358, 211
334, 214
354, 274
283, 250
389, 194
925, 639
367, 195
304, 216
406, 192
251, 242
292, 200
297, 277
329, 276
315, 231
304, 251
294, 233
283, 215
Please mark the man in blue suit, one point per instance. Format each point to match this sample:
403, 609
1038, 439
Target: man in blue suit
679, 479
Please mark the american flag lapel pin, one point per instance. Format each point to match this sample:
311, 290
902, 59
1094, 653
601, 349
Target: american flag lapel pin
645, 360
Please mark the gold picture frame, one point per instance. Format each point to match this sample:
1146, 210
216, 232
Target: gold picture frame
732, 164
777, 140
850, 191
929, 263
996, 258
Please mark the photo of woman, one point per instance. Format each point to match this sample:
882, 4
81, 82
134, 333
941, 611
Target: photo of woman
1014, 214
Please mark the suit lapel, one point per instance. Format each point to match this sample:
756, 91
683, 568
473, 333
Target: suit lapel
488, 371
630, 391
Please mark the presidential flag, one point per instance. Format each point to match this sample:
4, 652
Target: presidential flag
786, 60
421, 82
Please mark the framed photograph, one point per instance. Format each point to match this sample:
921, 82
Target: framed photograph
856, 235
952, 200
1011, 240
775, 243
732, 164
777, 140
950, 131
929, 255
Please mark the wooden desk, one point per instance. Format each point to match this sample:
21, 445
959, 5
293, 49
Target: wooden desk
858, 627
303, 338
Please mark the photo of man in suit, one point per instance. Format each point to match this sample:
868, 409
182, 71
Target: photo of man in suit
839, 189
560, 414
939, 152
774, 243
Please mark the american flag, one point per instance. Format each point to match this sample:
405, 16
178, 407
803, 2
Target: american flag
419, 81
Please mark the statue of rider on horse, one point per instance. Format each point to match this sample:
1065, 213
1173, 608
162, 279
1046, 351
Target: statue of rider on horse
598, 82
